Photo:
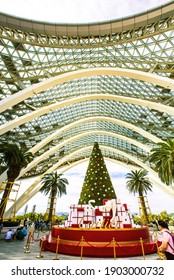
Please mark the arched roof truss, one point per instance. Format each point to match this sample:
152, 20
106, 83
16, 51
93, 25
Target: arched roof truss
63, 87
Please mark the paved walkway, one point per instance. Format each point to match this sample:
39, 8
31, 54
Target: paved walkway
16, 250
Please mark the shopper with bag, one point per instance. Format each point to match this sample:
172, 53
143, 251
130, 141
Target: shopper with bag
167, 245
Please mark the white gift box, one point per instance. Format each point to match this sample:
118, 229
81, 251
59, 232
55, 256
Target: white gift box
77, 214
119, 218
85, 214
125, 214
98, 219
118, 201
89, 218
106, 214
126, 220
119, 224
89, 211
73, 207
67, 223
76, 220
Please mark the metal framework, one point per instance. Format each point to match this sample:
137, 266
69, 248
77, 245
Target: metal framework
63, 87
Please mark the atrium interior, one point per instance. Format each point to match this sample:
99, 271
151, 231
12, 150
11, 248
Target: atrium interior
65, 86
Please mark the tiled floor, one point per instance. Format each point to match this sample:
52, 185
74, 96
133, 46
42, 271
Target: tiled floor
16, 250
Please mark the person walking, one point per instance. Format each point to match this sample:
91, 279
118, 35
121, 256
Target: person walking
167, 245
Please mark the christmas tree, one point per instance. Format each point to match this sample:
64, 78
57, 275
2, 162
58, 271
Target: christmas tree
97, 184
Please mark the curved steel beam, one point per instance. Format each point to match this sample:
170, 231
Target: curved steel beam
88, 29
74, 138
90, 119
47, 109
27, 194
78, 74
59, 31
122, 123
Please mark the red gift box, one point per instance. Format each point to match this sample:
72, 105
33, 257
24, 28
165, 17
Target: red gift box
98, 212
86, 222
75, 225
80, 209
127, 225
125, 206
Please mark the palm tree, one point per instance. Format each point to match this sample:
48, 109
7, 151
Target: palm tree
55, 185
163, 158
14, 159
138, 183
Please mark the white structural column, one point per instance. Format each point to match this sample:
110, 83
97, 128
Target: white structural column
78, 74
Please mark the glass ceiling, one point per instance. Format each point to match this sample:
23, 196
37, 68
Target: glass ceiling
29, 55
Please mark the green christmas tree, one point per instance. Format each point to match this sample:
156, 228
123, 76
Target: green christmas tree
97, 184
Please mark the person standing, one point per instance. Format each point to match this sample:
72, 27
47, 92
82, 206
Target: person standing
1, 226
167, 245
25, 223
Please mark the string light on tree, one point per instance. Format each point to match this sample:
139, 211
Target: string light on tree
97, 183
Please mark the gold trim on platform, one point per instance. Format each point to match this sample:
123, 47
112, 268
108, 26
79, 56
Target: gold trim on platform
109, 243
98, 229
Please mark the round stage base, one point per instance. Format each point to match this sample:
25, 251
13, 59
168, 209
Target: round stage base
111, 243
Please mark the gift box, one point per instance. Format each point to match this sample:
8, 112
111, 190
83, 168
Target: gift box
119, 218
126, 221
80, 209
120, 210
125, 206
89, 211
125, 214
73, 207
107, 214
75, 225
88, 217
77, 214
98, 212
77, 220
98, 219
127, 225
119, 224
68, 223
87, 222
118, 201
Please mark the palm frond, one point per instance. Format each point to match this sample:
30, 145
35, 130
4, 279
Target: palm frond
162, 157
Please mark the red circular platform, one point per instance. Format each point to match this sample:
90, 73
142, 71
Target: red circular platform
122, 242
